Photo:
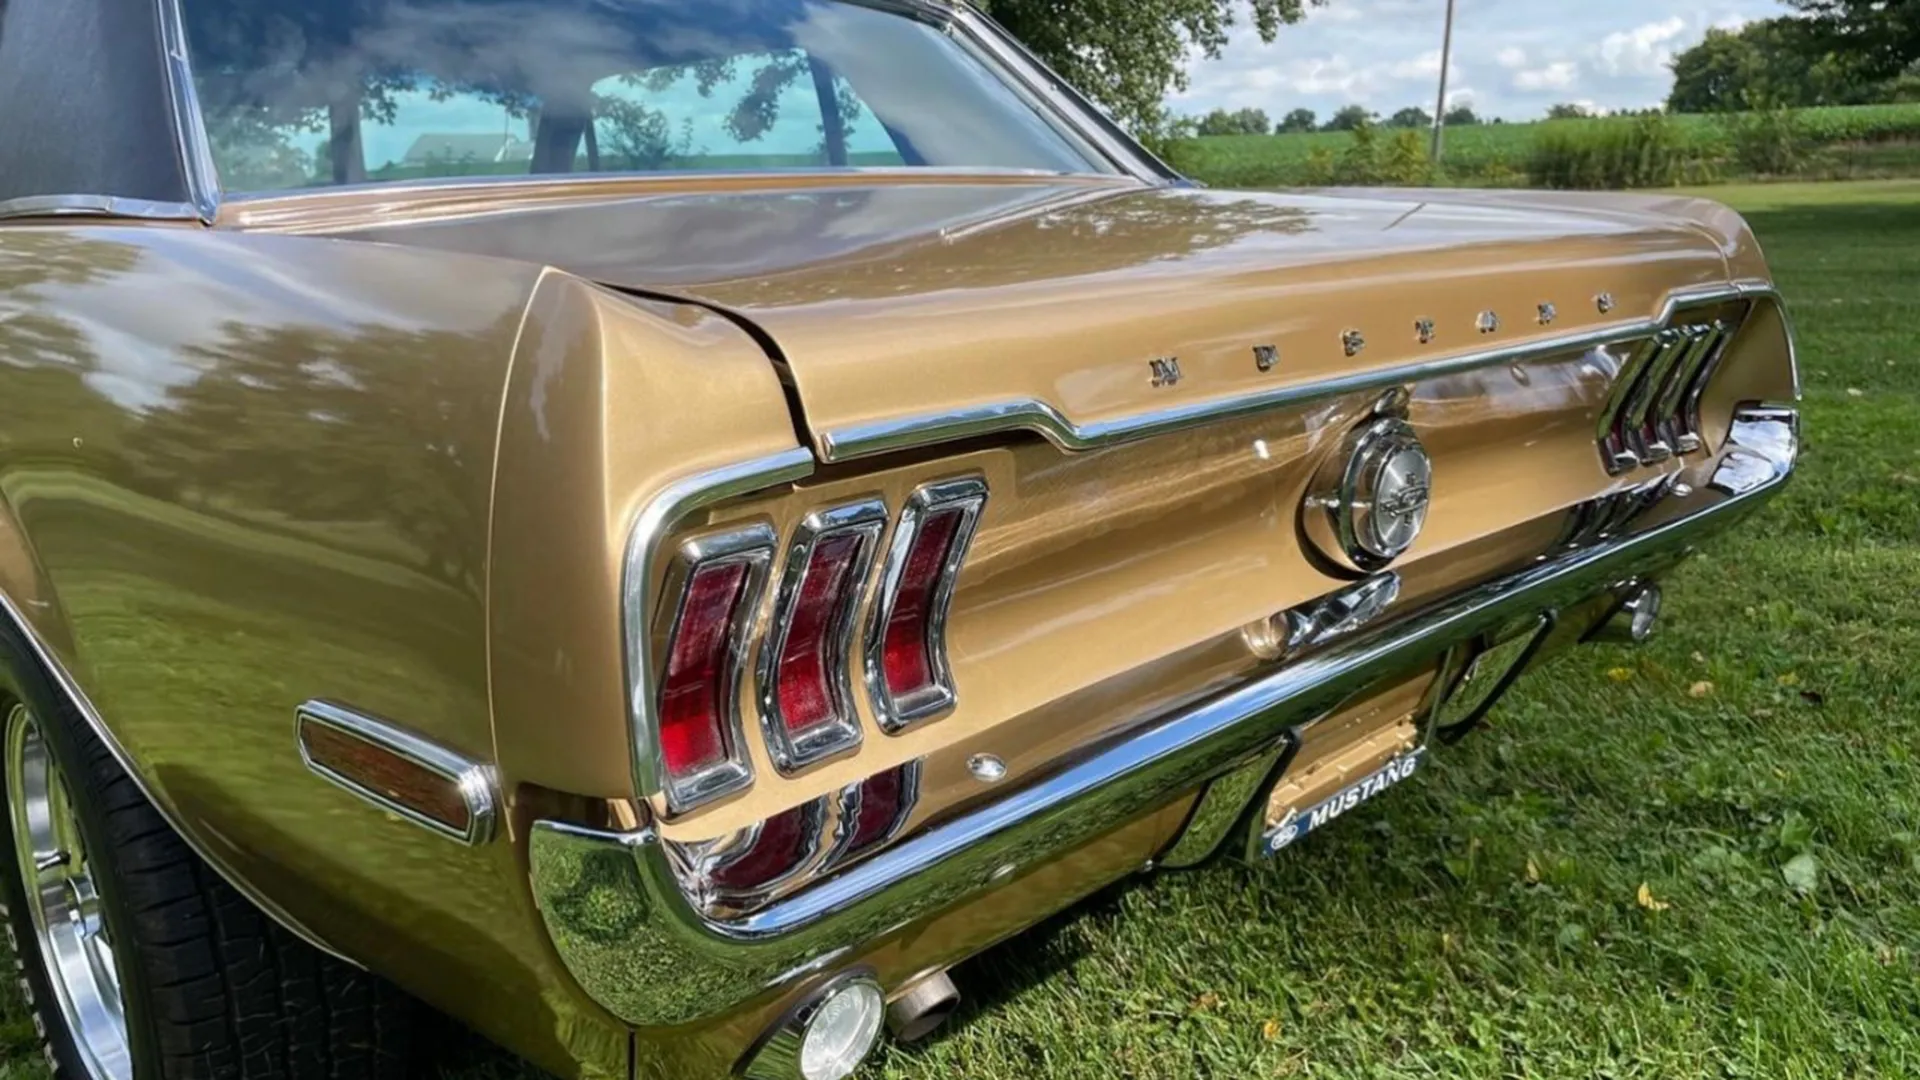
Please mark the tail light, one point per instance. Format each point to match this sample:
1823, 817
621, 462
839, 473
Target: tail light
906, 664
874, 810
806, 694
1654, 412
715, 586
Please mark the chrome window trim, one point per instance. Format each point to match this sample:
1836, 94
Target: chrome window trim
969, 496
866, 519
1026, 414
722, 964
61, 681
474, 780
639, 594
110, 206
1062, 99
190, 128
752, 547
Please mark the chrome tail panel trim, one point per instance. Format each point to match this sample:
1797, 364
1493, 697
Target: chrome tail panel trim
638, 592
401, 773
886, 436
622, 926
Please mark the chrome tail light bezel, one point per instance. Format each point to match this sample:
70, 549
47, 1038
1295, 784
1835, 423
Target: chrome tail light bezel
1653, 412
752, 546
868, 520
967, 496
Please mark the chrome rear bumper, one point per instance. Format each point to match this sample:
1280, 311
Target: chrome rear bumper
628, 935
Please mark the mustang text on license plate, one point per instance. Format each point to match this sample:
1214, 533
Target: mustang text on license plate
1298, 823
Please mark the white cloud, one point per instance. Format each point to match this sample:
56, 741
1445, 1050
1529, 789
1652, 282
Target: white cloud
1644, 50
1521, 56
1555, 76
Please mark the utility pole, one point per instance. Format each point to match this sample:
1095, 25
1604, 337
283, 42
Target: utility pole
1440, 108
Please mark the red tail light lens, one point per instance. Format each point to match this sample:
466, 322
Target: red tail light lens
806, 692
700, 755
907, 671
873, 811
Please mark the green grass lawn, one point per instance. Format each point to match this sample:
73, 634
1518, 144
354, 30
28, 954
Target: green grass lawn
1756, 769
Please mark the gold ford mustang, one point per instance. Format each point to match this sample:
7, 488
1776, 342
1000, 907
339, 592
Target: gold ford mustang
657, 527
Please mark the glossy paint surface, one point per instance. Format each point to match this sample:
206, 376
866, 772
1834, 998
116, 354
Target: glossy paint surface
390, 449
241, 472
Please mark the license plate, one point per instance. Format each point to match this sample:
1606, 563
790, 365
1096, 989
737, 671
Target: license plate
1298, 823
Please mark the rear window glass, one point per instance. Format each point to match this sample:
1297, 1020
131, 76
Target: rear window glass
364, 91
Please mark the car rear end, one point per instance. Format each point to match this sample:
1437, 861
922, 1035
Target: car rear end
929, 674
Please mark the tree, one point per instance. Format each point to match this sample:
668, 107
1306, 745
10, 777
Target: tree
1350, 117
1881, 38
1242, 122
1298, 120
1568, 111
1462, 116
1412, 116
1129, 54
1774, 62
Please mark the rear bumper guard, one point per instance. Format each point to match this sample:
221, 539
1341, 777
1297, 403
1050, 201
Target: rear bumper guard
628, 935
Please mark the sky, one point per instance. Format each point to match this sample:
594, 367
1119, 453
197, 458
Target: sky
1511, 58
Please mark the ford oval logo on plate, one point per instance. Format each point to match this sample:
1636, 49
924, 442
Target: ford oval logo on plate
1298, 823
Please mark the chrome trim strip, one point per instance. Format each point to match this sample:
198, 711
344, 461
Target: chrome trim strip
668, 965
886, 436
752, 547
866, 519
63, 683
474, 780
1061, 99
258, 208
650, 530
111, 206
969, 497
196, 150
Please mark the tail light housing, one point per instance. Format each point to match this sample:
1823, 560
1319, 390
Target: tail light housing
907, 673
1654, 411
713, 591
806, 690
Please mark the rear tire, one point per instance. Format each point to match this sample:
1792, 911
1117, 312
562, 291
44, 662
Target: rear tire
137, 961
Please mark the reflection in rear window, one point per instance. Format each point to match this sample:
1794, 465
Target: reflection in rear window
323, 92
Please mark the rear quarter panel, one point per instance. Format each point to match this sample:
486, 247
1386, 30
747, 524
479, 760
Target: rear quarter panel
240, 472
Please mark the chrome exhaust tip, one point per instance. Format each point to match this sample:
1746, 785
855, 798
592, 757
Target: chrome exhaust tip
1635, 618
921, 1008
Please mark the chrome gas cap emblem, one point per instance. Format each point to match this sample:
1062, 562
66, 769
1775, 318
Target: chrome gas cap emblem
1369, 502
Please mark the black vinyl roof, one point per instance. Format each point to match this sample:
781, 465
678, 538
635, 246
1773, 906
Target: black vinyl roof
88, 108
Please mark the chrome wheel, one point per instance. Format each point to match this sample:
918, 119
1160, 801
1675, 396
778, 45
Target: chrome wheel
69, 927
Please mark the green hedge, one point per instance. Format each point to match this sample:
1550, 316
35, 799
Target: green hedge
1595, 152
